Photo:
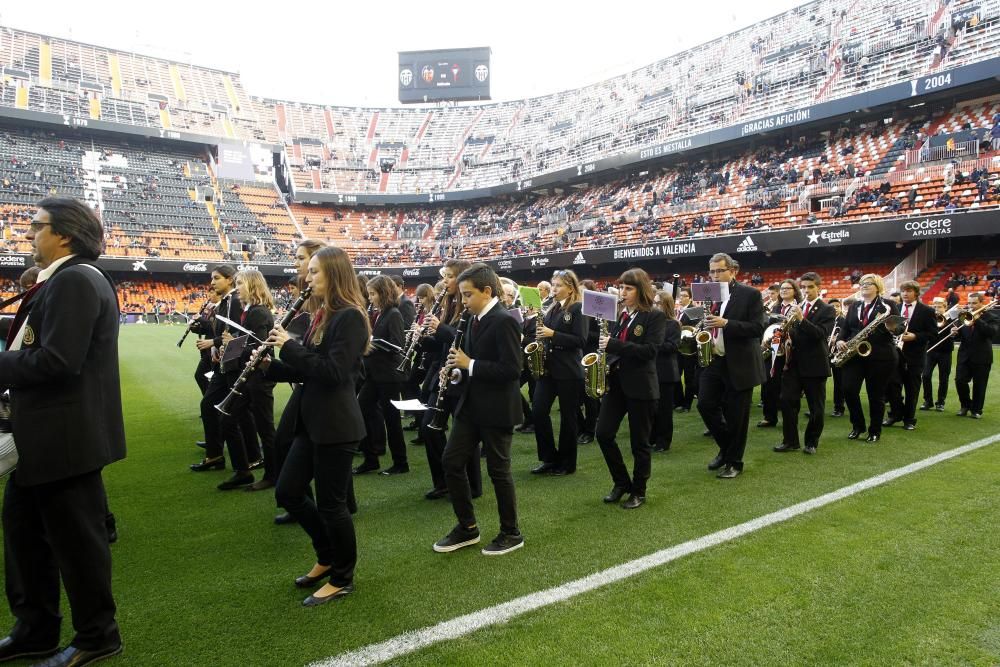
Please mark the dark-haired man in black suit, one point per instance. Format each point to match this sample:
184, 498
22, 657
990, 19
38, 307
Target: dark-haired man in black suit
62, 373
488, 408
921, 329
725, 387
975, 357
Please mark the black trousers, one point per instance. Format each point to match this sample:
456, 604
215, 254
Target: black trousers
326, 520
942, 362
463, 442
725, 411
614, 407
875, 374
52, 531
663, 423
838, 388
979, 375
434, 444
211, 419
685, 391
792, 388
569, 393
381, 420
587, 414
770, 391
906, 383
204, 366
529, 379
262, 412
234, 426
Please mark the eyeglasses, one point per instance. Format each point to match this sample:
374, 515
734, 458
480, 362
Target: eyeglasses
868, 284
38, 226
713, 272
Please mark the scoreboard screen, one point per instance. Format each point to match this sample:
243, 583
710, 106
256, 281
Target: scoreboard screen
444, 75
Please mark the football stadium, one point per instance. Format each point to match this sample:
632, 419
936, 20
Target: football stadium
706, 344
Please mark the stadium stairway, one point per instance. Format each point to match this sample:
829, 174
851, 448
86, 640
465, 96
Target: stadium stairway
898, 148
936, 277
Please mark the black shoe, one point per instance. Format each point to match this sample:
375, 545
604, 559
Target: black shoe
112, 538
503, 544
873, 437
962, 413
939, 407
837, 413
435, 494
12, 649
75, 657
976, 415
260, 485
396, 470
634, 501
909, 427
763, 423
543, 468
716, 463
365, 467
315, 600
585, 439
417, 442
412, 426
236, 481
209, 464
283, 519
854, 434
257, 465
810, 449
616, 494
707, 433
561, 472
200, 443
926, 406
525, 428
459, 537
661, 447
305, 581
785, 448
889, 421
729, 472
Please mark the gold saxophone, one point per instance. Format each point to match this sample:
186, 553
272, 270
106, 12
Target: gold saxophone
534, 351
595, 368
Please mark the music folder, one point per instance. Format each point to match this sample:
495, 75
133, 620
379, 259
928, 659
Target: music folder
710, 292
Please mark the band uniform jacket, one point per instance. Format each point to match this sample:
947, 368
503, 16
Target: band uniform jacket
923, 325
635, 366
66, 405
976, 344
380, 365
328, 371
745, 317
564, 350
230, 308
408, 310
666, 354
259, 320
883, 342
811, 341
491, 397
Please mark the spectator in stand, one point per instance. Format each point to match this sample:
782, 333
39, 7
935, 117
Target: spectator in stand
994, 273
952, 297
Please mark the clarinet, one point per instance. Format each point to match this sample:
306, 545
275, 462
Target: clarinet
415, 337
191, 324
252, 365
440, 414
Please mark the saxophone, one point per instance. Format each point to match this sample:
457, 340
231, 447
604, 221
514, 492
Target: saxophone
859, 346
535, 350
595, 368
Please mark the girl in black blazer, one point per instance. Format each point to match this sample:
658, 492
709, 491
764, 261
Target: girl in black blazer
563, 333
667, 374
383, 383
633, 388
327, 420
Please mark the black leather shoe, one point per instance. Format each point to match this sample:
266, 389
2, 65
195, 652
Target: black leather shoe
716, 463
236, 481
909, 427
963, 412
873, 437
412, 426
707, 433
939, 407
365, 467
543, 468
12, 649
256, 465
395, 470
661, 447
525, 428
837, 413
283, 519
634, 501
854, 434
417, 442
682, 408
926, 406
260, 485
435, 494
615, 495
585, 439
729, 472
200, 443
209, 464
561, 472
315, 600
889, 421
305, 581
763, 423
75, 657
976, 415
785, 448
810, 449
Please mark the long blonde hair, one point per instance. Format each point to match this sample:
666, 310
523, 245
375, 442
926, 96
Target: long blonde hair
256, 287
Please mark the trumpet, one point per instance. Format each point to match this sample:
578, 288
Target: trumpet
197, 318
449, 375
255, 361
967, 319
595, 368
535, 350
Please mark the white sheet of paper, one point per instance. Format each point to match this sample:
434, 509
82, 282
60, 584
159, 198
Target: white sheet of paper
412, 405
208, 375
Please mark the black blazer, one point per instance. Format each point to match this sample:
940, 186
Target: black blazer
380, 366
260, 320
666, 354
593, 334
408, 310
565, 349
883, 342
976, 345
636, 363
924, 326
66, 404
745, 324
811, 341
326, 401
492, 395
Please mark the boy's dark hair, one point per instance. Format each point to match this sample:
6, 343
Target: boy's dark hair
481, 276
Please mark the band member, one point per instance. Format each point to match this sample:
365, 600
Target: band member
442, 334
411, 388
407, 308
487, 410
632, 387
383, 382
725, 387
921, 329
528, 330
590, 407
545, 292
202, 327
687, 364
875, 369
667, 374
251, 413
939, 358
326, 419
564, 333
975, 358
838, 383
789, 297
807, 366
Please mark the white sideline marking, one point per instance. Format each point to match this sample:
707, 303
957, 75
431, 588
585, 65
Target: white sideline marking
501, 613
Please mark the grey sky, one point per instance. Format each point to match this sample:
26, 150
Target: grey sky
345, 53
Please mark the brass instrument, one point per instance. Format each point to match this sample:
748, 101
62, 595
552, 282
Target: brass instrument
703, 339
194, 320
859, 345
832, 342
967, 319
534, 351
898, 340
449, 375
595, 368
256, 361
414, 336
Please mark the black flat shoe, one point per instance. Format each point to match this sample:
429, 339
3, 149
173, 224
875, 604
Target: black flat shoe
561, 472
854, 435
707, 433
395, 470
809, 450
729, 472
939, 407
543, 468
13, 649
209, 464
889, 421
661, 447
200, 443
435, 494
873, 437
256, 465
365, 467
283, 519
837, 413
926, 406
763, 423
909, 427
236, 481
785, 448
305, 581
634, 501
715, 463
616, 494
315, 600
585, 439
75, 657
962, 413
